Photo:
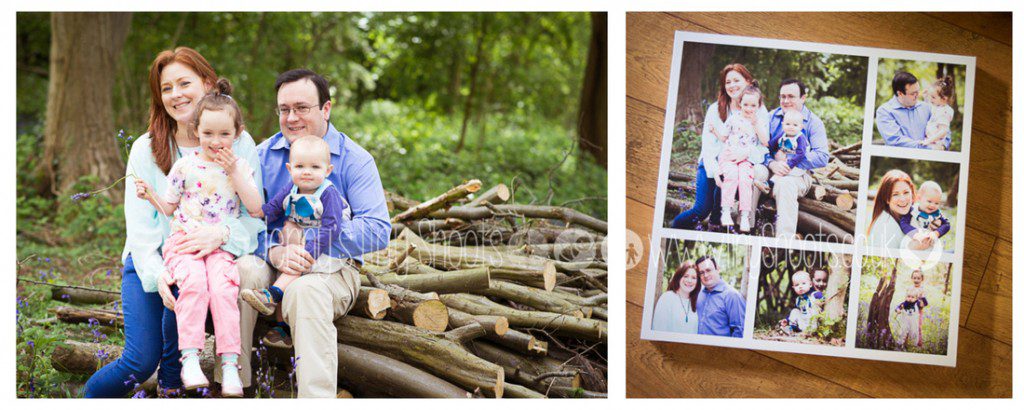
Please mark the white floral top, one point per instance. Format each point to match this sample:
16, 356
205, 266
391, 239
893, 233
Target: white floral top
204, 193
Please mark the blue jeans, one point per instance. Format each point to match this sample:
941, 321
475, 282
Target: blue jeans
150, 338
707, 202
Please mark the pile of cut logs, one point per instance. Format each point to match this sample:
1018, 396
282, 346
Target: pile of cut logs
827, 211
472, 297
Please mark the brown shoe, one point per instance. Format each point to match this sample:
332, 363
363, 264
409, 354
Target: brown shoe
278, 337
260, 300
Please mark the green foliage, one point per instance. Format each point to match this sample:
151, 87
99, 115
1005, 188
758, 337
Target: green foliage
731, 259
926, 73
413, 152
843, 118
826, 75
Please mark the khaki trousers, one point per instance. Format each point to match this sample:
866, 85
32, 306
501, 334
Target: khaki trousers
311, 304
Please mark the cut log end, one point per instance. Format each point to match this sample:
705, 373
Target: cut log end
550, 276
377, 303
431, 315
537, 347
501, 325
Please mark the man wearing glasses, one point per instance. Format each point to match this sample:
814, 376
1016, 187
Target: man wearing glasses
792, 94
314, 300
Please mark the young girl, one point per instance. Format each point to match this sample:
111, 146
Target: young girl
745, 146
937, 130
912, 320
207, 189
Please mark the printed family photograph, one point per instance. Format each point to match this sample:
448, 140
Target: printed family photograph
766, 142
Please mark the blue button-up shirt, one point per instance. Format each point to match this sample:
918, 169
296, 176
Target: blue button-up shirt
721, 311
356, 177
904, 126
816, 156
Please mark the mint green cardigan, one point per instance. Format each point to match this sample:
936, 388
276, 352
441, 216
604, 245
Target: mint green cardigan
148, 229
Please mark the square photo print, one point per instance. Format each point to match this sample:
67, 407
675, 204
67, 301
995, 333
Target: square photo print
802, 297
701, 289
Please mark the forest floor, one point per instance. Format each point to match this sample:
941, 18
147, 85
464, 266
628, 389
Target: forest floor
776, 335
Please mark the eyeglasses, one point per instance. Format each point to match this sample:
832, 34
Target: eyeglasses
300, 110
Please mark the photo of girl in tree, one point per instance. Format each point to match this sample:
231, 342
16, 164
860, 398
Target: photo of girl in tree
904, 308
802, 297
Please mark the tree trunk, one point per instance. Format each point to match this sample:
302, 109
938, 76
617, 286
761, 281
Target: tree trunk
498, 194
467, 111
79, 136
448, 282
520, 342
593, 114
838, 285
534, 298
105, 317
878, 333
567, 215
690, 100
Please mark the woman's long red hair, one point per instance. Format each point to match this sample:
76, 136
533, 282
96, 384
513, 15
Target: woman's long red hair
673, 285
723, 98
162, 126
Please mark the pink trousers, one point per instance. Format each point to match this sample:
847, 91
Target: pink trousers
204, 283
737, 176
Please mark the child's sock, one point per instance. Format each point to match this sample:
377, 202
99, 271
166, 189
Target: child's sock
276, 293
189, 355
228, 358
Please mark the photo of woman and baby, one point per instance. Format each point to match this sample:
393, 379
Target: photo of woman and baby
912, 204
756, 142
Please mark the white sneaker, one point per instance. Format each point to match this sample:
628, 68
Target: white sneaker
192, 376
727, 217
745, 221
231, 383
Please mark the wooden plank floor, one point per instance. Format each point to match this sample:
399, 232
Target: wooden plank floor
984, 365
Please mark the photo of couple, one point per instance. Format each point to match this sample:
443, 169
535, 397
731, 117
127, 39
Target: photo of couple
766, 142
903, 307
703, 289
913, 205
802, 296
919, 105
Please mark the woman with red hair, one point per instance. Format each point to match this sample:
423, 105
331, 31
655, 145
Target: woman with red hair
178, 80
732, 80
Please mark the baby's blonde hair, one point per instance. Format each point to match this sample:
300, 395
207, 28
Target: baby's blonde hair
801, 274
311, 143
794, 112
929, 186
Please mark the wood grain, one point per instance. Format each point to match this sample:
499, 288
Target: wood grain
984, 365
